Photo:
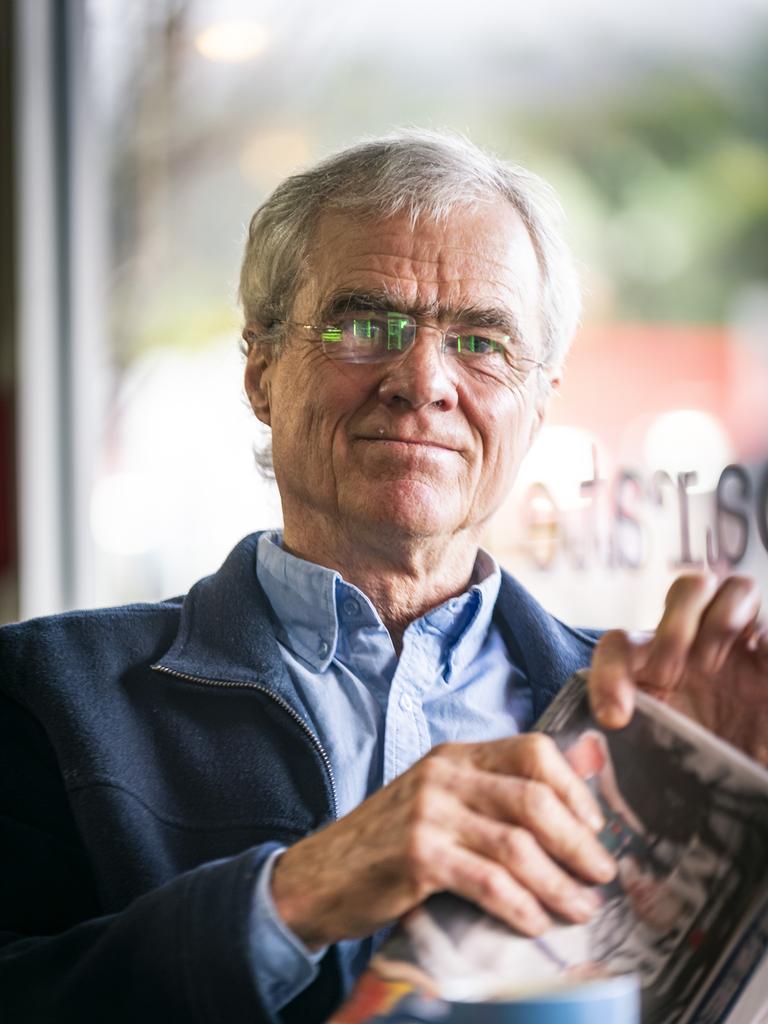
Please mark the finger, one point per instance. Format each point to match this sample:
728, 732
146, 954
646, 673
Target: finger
755, 635
730, 617
517, 850
751, 687
536, 756
486, 883
538, 809
687, 599
612, 677
759, 642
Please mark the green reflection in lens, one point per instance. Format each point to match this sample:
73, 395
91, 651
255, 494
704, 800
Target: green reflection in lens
466, 343
476, 344
363, 328
332, 334
395, 331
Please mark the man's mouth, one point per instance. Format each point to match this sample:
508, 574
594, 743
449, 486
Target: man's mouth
415, 442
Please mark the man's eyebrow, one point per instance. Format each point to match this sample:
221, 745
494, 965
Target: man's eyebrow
385, 300
379, 299
477, 315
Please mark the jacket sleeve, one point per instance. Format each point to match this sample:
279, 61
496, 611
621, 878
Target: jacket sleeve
181, 952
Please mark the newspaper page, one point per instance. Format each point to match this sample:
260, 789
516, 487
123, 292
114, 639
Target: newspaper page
687, 915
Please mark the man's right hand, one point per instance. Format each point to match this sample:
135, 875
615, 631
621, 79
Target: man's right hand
506, 824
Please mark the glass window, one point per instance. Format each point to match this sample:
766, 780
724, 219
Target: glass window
650, 123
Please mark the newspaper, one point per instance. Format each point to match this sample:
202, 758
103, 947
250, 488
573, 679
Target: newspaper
685, 922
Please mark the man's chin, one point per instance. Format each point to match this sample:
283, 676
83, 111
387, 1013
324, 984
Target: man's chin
409, 509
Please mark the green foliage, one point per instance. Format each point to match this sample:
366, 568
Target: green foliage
673, 178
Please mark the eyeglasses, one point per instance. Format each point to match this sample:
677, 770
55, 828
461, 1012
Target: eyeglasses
372, 337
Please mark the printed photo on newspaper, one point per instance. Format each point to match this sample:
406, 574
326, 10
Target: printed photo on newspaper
686, 917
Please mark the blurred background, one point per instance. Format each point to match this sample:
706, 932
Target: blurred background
136, 139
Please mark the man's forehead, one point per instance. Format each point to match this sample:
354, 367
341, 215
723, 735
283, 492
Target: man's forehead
492, 234
474, 255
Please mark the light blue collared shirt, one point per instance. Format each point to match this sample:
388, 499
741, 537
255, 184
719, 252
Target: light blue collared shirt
376, 714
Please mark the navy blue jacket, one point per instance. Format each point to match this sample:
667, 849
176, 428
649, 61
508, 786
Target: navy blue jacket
149, 765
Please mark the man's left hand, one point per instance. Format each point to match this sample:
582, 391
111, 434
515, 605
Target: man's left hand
708, 658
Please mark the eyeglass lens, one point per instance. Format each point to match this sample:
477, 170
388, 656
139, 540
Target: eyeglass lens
371, 338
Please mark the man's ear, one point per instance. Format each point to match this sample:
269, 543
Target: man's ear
258, 366
546, 390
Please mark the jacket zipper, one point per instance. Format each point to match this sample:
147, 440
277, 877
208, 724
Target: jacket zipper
280, 702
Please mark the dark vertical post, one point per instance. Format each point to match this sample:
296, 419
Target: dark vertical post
61, 106
9, 602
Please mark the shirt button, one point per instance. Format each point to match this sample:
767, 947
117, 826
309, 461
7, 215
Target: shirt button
406, 703
453, 606
350, 607
323, 649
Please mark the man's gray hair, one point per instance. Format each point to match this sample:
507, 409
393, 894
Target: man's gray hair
425, 174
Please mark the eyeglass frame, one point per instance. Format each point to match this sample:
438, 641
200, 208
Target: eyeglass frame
321, 328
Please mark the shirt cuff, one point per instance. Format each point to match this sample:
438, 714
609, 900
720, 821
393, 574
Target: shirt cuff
282, 964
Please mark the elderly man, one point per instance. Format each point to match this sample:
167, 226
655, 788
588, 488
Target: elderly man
212, 807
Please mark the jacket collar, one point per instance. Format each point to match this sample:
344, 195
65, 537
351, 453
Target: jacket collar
226, 630
547, 650
227, 633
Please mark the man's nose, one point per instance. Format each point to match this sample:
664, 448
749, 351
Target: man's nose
423, 376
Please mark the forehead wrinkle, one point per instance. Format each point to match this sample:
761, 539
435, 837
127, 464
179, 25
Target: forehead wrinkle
420, 249
488, 247
368, 278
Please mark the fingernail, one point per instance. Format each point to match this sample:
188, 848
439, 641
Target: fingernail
585, 904
605, 867
611, 713
537, 922
594, 819
599, 709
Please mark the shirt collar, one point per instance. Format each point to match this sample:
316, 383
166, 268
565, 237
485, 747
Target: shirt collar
305, 598
302, 596
465, 620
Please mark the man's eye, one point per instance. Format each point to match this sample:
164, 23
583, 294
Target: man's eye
383, 329
367, 328
476, 345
